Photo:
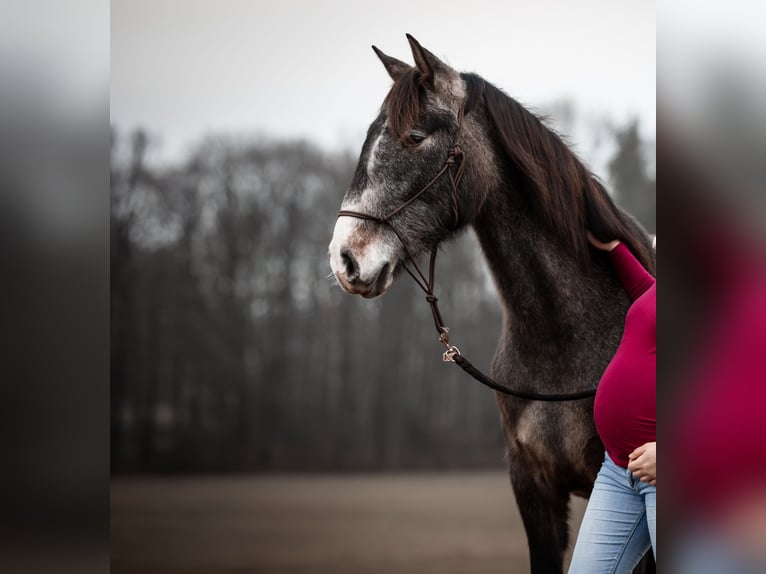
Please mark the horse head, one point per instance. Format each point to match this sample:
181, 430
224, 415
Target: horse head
406, 182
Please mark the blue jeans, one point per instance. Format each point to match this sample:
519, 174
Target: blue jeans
619, 526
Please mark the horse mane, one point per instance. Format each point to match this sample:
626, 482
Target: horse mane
566, 194
562, 191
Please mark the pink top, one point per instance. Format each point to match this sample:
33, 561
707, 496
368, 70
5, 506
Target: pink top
625, 408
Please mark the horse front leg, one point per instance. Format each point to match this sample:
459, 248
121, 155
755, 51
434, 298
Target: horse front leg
545, 512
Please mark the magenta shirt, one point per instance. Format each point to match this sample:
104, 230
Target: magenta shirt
625, 408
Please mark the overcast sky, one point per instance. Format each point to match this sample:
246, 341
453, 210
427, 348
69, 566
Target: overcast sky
303, 68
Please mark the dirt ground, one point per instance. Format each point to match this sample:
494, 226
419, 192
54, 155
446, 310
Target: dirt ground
455, 523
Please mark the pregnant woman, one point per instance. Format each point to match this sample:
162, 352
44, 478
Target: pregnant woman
620, 522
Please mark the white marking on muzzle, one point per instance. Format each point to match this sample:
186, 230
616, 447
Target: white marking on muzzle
370, 249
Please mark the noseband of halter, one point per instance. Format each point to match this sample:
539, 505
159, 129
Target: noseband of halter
452, 354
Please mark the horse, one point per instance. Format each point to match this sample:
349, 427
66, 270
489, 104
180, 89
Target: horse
449, 152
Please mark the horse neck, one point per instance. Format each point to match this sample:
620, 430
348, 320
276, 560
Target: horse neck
538, 280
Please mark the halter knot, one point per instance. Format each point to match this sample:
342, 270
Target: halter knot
454, 152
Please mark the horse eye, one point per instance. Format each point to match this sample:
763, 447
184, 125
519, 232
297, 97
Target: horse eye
416, 138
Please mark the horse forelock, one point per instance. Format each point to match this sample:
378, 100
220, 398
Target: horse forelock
403, 104
408, 98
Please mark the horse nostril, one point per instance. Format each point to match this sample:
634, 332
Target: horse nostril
352, 268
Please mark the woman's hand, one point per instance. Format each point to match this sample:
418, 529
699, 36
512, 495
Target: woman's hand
604, 246
642, 462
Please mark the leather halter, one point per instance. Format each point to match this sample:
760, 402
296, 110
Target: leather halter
452, 353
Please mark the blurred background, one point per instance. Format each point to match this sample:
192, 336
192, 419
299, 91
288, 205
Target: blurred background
203, 98
235, 132
261, 420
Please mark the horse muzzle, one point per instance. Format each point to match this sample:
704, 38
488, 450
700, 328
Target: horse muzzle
362, 260
368, 285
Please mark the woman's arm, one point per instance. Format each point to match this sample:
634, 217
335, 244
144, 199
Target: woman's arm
632, 274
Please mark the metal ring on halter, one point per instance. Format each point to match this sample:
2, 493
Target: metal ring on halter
450, 354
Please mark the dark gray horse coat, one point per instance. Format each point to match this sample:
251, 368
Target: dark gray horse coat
529, 201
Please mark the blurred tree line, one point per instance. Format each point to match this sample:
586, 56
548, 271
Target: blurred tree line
232, 350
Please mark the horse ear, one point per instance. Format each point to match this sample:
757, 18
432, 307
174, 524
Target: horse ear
429, 66
395, 68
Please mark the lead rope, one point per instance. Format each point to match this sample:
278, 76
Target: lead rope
452, 353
